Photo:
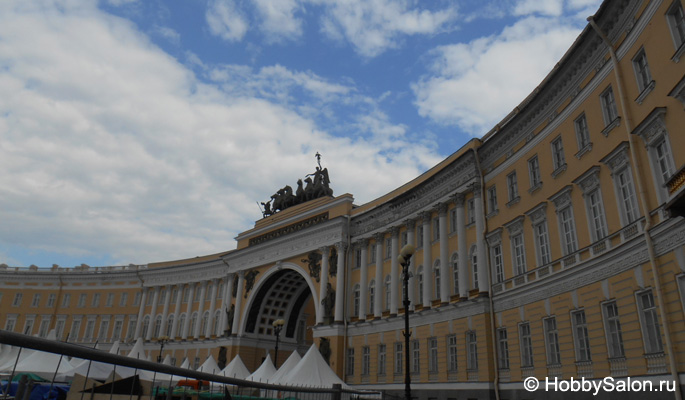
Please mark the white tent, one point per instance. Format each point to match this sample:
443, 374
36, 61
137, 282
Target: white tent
236, 369
95, 369
264, 372
312, 371
287, 366
11, 358
209, 366
45, 364
8, 354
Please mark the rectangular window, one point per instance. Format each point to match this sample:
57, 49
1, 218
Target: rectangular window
492, 199
651, 333
415, 356
558, 153
582, 132
498, 263
104, 328
10, 324
471, 351
419, 236
663, 160
66, 300
526, 343
373, 253
59, 328
512, 185
568, 229
96, 300
436, 229
137, 299
627, 196
381, 359
470, 211
388, 248
405, 238
542, 239
503, 348
350, 362
75, 330
453, 220
123, 299
116, 332
580, 336
28, 326
612, 327
366, 360
357, 258
110, 300
452, 353
552, 341
432, 355
35, 302
642, 74
676, 21
43, 328
82, 300
398, 358
17, 300
131, 330
90, 328
52, 297
518, 251
608, 106
534, 172
598, 224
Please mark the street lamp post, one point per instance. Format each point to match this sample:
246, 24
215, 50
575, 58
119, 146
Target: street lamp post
162, 341
404, 259
278, 326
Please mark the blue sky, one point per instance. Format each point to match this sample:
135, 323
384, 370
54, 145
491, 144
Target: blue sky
135, 131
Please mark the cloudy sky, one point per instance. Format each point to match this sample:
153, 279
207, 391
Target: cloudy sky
134, 131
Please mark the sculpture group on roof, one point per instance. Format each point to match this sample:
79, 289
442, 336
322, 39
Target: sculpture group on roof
317, 187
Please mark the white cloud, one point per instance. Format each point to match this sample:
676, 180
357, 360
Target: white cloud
552, 8
167, 33
226, 20
375, 26
474, 85
109, 146
278, 21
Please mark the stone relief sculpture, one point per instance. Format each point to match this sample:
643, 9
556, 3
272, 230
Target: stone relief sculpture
333, 262
313, 262
229, 319
249, 281
328, 304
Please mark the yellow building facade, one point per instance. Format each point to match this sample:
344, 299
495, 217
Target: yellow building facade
554, 246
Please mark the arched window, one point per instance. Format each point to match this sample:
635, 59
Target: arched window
193, 323
356, 295
146, 326
181, 324
455, 273
419, 284
387, 292
218, 329
372, 295
169, 325
158, 327
474, 264
205, 324
436, 274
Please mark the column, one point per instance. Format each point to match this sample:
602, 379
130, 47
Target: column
200, 310
411, 224
394, 270
177, 311
461, 247
427, 261
153, 314
378, 296
444, 255
483, 277
323, 285
226, 302
189, 310
211, 329
238, 302
165, 310
340, 283
141, 312
364, 279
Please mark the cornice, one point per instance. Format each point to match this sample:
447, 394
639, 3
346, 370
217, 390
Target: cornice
181, 274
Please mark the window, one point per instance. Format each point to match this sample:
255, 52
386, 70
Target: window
518, 251
436, 229
110, 300
75, 329
526, 344
181, 324
432, 355
82, 300
59, 328
170, 326
582, 134
542, 243
366, 360
116, 332
157, 329
43, 328
404, 239
415, 356
552, 341
503, 348
96, 300
436, 273
193, 324
90, 329
388, 248
10, 324
219, 293
474, 265
642, 74
387, 292
558, 154
35, 302
51, 300
17, 300
196, 296
136, 299
398, 358
534, 173
104, 327
608, 106
612, 327
470, 211
498, 263
512, 186
381, 359
626, 194
651, 333
580, 336
356, 297
568, 230
596, 213
452, 353
419, 236
131, 330
663, 160
492, 199
453, 220
372, 295
676, 21
123, 299
66, 299
455, 272
419, 283
471, 351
